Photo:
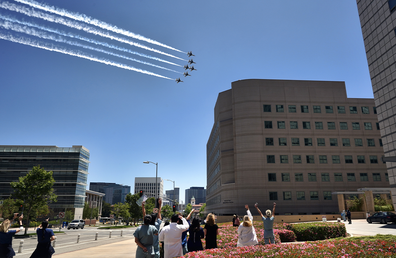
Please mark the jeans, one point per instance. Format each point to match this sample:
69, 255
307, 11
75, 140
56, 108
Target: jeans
266, 240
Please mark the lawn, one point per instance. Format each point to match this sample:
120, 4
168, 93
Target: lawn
378, 246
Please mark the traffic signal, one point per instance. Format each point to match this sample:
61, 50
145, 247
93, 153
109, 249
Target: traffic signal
174, 208
141, 193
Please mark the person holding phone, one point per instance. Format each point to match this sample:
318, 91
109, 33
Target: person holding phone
44, 238
156, 221
268, 221
6, 236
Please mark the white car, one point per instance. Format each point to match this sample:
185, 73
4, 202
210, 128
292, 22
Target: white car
76, 224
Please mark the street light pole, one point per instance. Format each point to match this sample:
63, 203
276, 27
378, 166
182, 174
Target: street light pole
156, 181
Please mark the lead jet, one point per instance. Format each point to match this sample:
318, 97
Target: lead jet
192, 68
186, 74
186, 67
178, 80
190, 54
191, 61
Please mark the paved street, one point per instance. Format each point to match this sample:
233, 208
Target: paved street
363, 228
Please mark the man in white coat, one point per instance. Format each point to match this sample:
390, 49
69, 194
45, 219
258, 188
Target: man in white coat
171, 236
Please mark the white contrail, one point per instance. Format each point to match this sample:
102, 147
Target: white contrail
44, 35
77, 25
51, 47
68, 34
92, 21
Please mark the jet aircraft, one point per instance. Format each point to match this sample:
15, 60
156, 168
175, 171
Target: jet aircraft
191, 61
190, 54
192, 68
186, 74
186, 67
178, 80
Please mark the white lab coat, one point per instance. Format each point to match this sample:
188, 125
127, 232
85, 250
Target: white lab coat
247, 235
171, 236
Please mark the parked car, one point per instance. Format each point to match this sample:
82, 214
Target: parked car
76, 224
382, 217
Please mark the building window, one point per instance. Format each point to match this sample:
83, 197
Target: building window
316, 109
327, 196
323, 159
287, 196
370, 142
311, 177
374, 110
351, 177
296, 159
341, 109
281, 125
373, 160
318, 125
358, 142
333, 142
273, 196
304, 109
338, 177
331, 126
365, 110
325, 177
355, 126
293, 125
363, 177
295, 141
377, 125
348, 159
361, 159
268, 124
346, 142
321, 141
272, 177
300, 195
392, 5
314, 195
380, 142
282, 141
292, 109
298, 177
368, 126
270, 158
376, 177
280, 109
267, 108
306, 125
269, 141
386, 177
308, 141
343, 126
329, 109
336, 159
284, 159
353, 110
310, 159
285, 177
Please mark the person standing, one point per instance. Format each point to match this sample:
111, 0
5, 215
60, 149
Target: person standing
246, 232
184, 235
211, 231
171, 236
194, 242
349, 216
6, 235
268, 222
144, 238
235, 221
343, 215
156, 221
44, 248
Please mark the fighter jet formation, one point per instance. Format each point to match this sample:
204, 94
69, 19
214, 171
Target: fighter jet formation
187, 67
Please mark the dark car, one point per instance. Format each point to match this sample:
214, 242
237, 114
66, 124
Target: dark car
382, 217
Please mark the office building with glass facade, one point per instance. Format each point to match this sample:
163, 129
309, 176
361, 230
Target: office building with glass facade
69, 166
114, 193
199, 193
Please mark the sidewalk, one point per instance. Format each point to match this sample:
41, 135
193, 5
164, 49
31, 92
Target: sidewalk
125, 248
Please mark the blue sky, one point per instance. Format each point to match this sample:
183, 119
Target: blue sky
125, 117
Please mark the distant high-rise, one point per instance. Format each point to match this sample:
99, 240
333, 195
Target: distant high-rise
378, 22
147, 184
114, 193
173, 195
69, 166
199, 193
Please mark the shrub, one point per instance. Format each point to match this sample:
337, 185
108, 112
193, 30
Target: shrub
387, 207
319, 230
285, 235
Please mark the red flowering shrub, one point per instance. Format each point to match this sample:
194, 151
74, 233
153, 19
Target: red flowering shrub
285, 235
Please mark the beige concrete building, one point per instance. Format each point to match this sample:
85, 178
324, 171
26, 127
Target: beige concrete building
293, 143
378, 21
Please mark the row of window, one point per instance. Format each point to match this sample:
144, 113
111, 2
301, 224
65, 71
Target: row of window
345, 142
319, 125
310, 159
392, 5
300, 196
325, 177
318, 109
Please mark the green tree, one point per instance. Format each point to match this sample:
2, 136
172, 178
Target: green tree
202, 212
166, 211
121, 210
106, 209
89, 212
9, 207
134, 210
69, 215
35, 189
187, 210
